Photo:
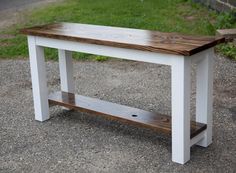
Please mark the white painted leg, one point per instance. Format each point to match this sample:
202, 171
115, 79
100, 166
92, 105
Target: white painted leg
204, 95
66, 71
39, 82
181, 87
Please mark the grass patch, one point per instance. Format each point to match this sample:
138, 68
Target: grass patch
168, 16
101, 58
228, 50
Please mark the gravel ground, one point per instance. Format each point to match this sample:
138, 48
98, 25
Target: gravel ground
77, 142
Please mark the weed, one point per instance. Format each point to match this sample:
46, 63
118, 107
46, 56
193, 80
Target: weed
101, 58
228, 50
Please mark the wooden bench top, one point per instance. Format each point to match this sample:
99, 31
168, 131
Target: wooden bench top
153, 41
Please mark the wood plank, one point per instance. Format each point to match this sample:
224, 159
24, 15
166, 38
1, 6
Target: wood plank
118, 112
146, 40
228, 34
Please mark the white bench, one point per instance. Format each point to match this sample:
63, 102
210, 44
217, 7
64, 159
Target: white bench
176, 50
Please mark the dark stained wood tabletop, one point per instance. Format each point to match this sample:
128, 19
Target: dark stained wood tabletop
153, 41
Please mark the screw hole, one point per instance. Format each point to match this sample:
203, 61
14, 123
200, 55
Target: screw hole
134, 115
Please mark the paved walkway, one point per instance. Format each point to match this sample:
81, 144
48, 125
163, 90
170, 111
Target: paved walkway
12, 11
9, 4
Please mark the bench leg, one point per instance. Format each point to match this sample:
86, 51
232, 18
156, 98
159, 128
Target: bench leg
204, 95
181, 87
39, 82
66, 71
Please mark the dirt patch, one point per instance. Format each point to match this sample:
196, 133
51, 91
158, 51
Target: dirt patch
190, 18
5, 44
6, 36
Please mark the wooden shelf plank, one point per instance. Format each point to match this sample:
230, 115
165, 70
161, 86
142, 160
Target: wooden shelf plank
118, 112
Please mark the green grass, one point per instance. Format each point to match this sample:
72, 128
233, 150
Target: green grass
228, 50
169, 16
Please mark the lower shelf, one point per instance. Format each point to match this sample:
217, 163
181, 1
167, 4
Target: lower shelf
118, 112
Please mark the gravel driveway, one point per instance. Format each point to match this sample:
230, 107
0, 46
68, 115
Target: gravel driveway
78, 142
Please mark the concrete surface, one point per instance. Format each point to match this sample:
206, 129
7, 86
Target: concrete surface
6, 4
78, 142
15, 11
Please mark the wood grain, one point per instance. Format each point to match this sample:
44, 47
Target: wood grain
125, 114
153, 41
